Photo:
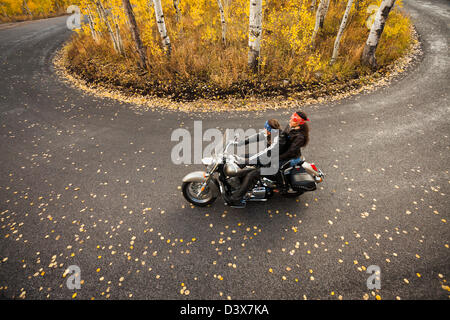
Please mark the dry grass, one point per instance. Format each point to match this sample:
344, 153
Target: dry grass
205, 69
37, 16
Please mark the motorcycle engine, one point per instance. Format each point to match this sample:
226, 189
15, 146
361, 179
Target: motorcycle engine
234, 182
260, 193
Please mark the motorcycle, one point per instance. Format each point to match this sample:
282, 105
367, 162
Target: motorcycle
224, 173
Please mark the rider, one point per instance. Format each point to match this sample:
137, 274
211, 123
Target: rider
251, 175
298, 136
291, 140
297, 133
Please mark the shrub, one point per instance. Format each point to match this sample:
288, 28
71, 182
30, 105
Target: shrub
200, 66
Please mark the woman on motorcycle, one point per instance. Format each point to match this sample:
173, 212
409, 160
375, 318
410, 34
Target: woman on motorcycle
297, 136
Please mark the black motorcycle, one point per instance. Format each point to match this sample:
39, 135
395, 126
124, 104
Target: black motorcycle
224, 174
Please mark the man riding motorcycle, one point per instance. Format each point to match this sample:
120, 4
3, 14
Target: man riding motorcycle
290, 142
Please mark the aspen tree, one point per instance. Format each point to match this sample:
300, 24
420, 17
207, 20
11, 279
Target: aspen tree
321, 12
368, 55
176, 5
117, 34
135, 33
223, 22
104, 16
162, 25
255, 30
25, 7
341, 32
92, 24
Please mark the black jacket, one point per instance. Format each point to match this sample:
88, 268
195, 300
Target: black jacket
283, 143
295, 141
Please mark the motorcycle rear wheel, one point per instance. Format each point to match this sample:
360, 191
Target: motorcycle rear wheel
190, 190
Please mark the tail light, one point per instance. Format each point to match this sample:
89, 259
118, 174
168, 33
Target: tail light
319, 177
313, 170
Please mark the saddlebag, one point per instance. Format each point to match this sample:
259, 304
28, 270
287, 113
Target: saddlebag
301, 180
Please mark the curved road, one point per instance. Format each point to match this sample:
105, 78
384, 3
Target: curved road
88, 181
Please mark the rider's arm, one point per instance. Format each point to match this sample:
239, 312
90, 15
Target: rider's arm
254, 138
256, 159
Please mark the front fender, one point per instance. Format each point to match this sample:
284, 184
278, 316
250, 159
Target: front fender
196, 176
199, 176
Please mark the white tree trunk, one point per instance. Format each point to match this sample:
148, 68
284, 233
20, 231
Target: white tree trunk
162, 25
104, 16
322, 10
118, 36
176, 5
254, 39
368, 55
325, 11
92, 25
223, 23
26, 8
341, 31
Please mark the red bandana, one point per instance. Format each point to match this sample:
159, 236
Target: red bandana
297, 119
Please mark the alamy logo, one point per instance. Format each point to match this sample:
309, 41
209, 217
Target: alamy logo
259, 151
372, 10
374, 281
74, 280
74, 20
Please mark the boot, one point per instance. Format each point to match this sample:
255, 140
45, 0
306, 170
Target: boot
235, 202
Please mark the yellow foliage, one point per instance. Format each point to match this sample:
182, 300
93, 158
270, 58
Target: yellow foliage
14, 10
200, 60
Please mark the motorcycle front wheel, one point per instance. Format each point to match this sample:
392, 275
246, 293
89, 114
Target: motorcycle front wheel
191, 192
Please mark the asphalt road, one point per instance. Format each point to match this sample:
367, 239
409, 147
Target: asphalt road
88, 181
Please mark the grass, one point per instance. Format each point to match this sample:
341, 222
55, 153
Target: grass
36, 16
199, 68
